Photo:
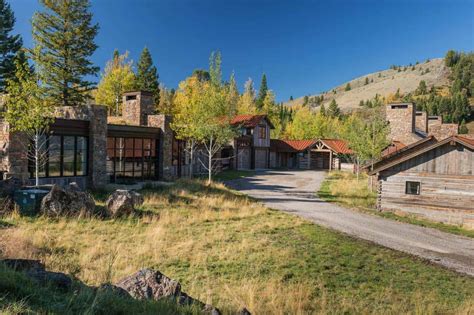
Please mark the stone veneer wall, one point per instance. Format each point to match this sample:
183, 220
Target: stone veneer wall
421, 121
163, 122
443, 131
13, 154
402, 122
97, 117
135, 111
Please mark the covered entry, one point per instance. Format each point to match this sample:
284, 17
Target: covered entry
320, 160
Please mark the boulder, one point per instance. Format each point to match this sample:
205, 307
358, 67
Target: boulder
69, 201
35, 270
150, 284
153, 285
123, 202
243, 311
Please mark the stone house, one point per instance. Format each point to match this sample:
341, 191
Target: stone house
87, 147
430, 178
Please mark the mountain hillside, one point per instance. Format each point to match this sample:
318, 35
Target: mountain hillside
405, 78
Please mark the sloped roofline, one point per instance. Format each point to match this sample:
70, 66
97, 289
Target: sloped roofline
400, 157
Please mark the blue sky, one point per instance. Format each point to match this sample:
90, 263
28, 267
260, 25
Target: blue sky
303, 46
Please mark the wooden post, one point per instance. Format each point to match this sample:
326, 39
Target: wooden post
330, 160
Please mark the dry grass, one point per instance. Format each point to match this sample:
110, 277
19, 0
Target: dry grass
230, 251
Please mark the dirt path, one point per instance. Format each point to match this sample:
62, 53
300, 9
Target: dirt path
294, 192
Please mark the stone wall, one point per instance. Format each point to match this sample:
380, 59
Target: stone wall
402, 122
13, 154
163, 122
137, 106
421, 121
443, 131
98, 146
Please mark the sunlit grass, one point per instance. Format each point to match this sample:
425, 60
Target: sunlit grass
230, 251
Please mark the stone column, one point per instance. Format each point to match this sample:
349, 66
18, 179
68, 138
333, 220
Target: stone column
165, 144
97, 169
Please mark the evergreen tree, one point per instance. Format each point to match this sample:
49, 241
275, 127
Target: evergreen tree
422, 89
233, 95
333, 109
366, 80
10, 45
305, 100
147, 75
462, 128
262, 92
215, 71
291, 97
322, 110
64, 40
348, 87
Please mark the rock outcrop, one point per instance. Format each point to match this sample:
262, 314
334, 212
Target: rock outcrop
68, 201
149, 284
123, 202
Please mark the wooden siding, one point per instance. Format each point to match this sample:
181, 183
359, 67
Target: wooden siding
446, 185
261, 158
257, 142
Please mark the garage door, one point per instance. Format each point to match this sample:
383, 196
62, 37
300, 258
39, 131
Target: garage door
261, 160
243, 159
320, 160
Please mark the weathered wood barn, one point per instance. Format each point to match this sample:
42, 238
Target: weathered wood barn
251, 150
429, 178
320, 154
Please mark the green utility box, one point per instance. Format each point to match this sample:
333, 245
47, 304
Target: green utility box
29, 200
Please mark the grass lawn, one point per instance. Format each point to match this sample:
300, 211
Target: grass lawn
343, 188
230, 251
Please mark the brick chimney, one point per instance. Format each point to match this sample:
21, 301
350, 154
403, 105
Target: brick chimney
401, 117
137, 106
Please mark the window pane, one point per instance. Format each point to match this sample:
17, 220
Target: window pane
110, 142
81, 156
68, 142
54, 169
68, 169
412, 188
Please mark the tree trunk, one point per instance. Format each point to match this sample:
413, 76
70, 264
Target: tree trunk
191, 162
36, 147
209, 179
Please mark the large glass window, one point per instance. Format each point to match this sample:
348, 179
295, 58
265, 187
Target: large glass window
66, 156
131, 158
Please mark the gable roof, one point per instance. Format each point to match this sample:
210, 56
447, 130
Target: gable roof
415, 149
290, 145
250, 121
337, 145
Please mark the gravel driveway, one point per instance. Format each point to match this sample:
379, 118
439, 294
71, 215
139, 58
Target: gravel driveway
294, 192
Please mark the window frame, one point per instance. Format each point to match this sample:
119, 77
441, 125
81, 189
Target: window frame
408, 190
61, 150
262, 132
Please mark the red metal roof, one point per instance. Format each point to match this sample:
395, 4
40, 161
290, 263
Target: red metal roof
466, 139
337, 145
249, 121
290, 145
393, 147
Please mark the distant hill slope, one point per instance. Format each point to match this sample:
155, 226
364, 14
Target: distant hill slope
384, 83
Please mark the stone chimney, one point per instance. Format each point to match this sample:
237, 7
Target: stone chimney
401, 117
137, 106
434, 122
421, 121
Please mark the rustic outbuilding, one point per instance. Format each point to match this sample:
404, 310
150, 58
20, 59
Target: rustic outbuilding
429, 178
319, 154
